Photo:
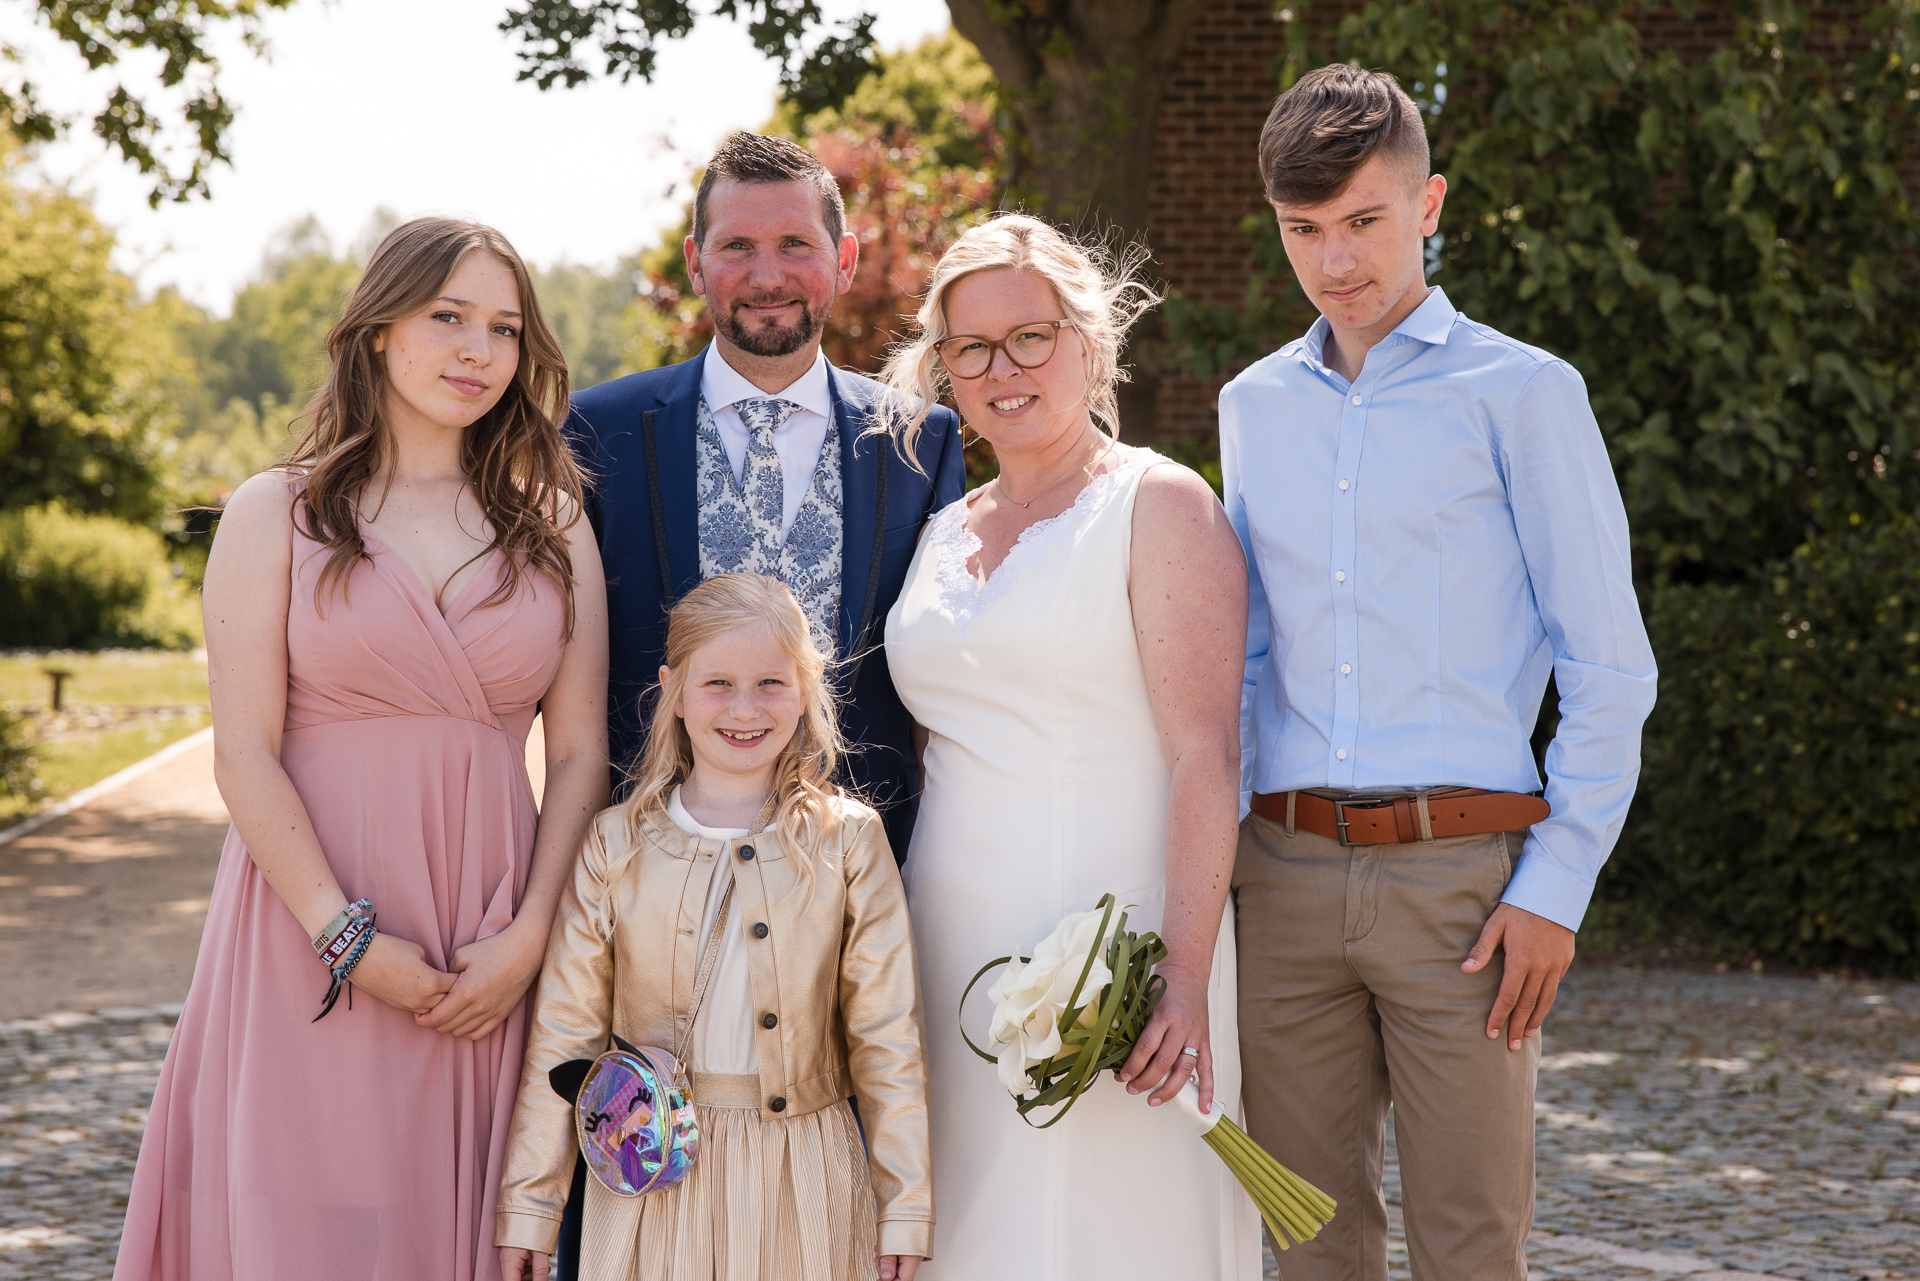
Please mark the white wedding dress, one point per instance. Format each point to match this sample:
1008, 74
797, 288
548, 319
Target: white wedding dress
1046, 788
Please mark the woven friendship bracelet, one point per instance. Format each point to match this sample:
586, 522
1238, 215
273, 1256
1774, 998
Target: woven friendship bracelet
344, 941
357, 911
341, 973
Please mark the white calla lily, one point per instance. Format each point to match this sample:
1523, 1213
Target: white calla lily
1030, 997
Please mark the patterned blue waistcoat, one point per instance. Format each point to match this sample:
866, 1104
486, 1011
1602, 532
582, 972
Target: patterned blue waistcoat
734, 540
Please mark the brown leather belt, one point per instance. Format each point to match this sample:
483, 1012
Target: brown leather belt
1397, 818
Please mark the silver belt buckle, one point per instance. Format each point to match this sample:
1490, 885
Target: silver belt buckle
1340, 823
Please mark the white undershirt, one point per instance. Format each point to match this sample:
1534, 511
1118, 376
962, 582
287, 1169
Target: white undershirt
797, 441
723, 1032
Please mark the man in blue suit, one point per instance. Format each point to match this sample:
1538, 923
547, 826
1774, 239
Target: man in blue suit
754, 455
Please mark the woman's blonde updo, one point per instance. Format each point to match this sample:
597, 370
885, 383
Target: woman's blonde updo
1097, 290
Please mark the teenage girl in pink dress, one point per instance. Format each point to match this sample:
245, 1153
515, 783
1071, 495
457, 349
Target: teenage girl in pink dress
385, 614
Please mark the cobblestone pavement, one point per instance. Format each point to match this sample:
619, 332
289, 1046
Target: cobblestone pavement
1715, 1127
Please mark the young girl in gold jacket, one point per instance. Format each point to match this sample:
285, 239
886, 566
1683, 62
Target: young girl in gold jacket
814, 995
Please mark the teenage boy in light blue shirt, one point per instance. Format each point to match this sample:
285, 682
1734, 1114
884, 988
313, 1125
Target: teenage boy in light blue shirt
1432, 527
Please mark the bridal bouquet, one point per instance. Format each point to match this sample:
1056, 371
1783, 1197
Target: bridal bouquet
1075, 1008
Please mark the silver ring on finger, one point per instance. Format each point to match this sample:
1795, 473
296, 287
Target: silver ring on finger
1190, 1050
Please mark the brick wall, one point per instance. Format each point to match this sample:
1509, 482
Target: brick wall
1205, 179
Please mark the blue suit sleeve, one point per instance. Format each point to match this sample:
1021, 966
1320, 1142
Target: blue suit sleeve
1573, 533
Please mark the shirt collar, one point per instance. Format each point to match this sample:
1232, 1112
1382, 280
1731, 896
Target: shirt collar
1429, 323
724, 386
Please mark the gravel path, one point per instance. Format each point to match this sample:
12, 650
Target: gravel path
1721, 1127
1716, 1127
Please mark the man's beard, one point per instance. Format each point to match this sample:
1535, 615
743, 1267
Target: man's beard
762, 340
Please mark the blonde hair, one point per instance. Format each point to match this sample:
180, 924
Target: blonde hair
1097, 290
803, 785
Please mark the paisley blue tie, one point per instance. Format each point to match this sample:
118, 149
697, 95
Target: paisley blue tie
763, 485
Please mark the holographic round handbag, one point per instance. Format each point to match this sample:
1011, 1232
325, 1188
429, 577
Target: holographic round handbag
633, 1105
634, 1117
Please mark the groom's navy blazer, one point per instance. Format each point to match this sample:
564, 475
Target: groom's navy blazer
635, 438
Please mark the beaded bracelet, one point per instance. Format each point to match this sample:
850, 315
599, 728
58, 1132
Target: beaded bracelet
341, 972
356, 911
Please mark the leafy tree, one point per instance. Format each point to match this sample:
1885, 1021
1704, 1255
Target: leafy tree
235, 384
816, 70
80, 405
275, 342
1724, 248
1080, 83
102, 32
587, 309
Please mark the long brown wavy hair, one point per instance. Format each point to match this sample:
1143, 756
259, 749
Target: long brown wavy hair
803, 785
520, 468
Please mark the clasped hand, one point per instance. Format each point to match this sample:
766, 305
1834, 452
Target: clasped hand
469, 999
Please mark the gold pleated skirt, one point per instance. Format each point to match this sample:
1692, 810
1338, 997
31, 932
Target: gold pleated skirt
788, 1199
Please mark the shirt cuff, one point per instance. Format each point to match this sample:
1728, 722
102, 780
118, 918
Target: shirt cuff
1545, 888
524, 1231
906, 1236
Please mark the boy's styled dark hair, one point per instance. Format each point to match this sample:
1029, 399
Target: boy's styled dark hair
1331, 122
753, 157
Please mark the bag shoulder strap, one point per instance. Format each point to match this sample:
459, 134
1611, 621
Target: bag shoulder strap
684, 1043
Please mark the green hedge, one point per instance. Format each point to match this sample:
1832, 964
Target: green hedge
1779, 806
16, 758
73, 581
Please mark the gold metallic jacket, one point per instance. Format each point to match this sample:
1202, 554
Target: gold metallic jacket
837, 971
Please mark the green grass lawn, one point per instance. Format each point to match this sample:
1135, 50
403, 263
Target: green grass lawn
119, 676
69, 756
70, 764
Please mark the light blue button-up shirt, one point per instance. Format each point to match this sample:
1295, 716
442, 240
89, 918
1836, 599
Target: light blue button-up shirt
1425, 545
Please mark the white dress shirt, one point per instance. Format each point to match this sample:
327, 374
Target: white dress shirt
723, 1030
797, 441
1427, 543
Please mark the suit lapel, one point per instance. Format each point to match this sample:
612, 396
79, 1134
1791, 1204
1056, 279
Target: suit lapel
859, 456
674, 428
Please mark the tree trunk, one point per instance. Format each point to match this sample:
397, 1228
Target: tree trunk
1084, 79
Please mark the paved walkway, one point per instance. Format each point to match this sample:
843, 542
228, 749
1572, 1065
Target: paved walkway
1714, 1127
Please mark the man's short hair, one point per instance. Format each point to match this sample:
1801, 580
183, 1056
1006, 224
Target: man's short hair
753, 157
1330, 123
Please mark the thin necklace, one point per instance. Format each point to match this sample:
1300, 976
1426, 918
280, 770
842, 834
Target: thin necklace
1000, 483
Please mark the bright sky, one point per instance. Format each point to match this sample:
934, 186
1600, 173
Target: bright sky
413, 105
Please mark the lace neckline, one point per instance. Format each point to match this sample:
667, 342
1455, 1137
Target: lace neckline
952, 541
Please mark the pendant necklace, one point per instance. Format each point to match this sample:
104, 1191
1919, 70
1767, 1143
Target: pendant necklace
1094, 461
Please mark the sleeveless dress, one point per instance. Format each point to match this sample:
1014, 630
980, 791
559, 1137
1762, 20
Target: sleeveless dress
361, 1146
1046, 788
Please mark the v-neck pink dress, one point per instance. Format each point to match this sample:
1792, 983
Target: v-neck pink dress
361, 1147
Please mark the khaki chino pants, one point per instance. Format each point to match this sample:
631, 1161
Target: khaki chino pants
1351, 998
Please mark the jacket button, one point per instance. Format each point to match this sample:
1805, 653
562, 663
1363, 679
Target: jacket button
769, 1019
778, 1105
746, 852
760, 929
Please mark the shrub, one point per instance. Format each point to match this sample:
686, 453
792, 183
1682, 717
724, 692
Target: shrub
17, 772
74, 581
1777, 807
1722, 245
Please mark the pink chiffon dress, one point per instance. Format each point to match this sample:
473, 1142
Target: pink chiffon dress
361, 1147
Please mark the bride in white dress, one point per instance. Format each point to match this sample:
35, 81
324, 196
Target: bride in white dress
1070, 639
